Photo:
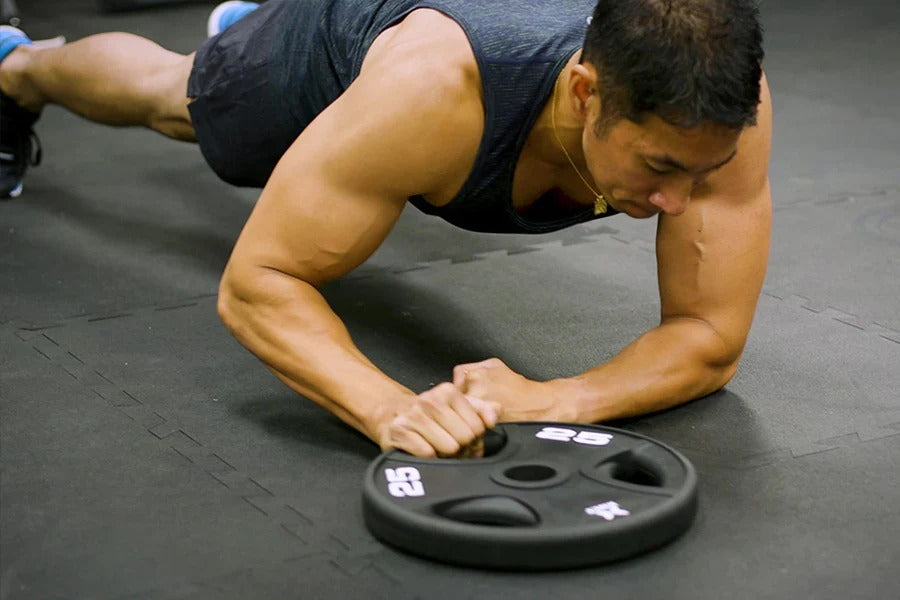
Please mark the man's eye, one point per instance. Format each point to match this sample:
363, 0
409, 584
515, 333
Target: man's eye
658, 171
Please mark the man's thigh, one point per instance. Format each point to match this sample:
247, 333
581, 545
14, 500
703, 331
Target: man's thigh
240, 117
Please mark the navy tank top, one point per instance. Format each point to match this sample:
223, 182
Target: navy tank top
520, 47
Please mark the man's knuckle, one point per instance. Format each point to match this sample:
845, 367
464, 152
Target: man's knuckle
418, 414
476, 375
397, 423
430, 406
399, 432
450, 448
444, 390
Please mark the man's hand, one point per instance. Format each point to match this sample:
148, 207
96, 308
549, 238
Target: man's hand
441, 422
522, 399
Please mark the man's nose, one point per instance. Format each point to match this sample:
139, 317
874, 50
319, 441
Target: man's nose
669, 203
673, 199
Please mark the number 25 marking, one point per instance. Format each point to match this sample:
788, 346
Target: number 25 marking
404, 481
588, 438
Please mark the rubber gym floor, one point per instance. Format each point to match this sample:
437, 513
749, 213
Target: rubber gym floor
146, 455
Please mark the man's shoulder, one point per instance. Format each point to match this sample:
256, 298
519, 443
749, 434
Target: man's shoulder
429, 67
426, 42
746, 177
418, 119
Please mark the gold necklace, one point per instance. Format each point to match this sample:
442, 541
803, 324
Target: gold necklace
600, 203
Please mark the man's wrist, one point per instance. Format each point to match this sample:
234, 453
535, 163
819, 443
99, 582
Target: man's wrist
569, 398
378, 421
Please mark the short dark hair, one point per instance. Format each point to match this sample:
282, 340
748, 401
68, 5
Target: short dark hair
690, 62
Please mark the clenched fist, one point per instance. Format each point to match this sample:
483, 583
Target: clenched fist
441, 422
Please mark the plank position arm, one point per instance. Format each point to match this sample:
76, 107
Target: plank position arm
404, 127
711, 261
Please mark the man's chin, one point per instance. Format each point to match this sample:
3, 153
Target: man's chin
635, 211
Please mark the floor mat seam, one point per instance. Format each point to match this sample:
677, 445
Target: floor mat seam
280, 511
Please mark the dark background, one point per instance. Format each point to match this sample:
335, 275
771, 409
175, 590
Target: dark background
145, 455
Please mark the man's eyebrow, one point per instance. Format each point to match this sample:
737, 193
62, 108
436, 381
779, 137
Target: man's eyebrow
671, 162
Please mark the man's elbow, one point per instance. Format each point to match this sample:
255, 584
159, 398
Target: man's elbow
725, 363
234, 298
225, 305
725, 373
721, 354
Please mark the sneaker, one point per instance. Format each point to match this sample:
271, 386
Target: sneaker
11, 38
227, 14
19, 146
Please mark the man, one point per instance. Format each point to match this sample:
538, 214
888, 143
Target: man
493, 115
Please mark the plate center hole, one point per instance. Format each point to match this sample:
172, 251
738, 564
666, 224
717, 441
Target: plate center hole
530, 472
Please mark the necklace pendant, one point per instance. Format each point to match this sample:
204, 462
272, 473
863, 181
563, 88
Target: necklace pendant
600, 205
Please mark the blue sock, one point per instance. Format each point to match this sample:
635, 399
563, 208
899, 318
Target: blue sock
10, 39
238, 12
227, 14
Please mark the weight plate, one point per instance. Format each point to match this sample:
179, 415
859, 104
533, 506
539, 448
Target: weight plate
545, 496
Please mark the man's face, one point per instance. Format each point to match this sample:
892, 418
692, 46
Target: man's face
652, 167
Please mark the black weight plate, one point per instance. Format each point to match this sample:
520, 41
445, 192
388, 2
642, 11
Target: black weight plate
547, 496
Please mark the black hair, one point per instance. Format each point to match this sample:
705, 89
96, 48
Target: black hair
690, 62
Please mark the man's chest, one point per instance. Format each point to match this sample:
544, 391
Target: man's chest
546, 192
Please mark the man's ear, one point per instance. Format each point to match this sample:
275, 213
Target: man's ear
583, 91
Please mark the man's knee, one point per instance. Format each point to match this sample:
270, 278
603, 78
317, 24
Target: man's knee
171, 117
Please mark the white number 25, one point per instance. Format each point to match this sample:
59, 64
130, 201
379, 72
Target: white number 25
404, 481
588, 438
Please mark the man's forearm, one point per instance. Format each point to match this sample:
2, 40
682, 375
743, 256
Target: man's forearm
288, 325
678, 361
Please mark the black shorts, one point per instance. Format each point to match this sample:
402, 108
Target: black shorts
242, 123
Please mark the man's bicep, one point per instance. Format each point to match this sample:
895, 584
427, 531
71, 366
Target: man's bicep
309, 225
338, 190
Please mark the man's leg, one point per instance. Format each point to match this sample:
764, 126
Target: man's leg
112, 78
